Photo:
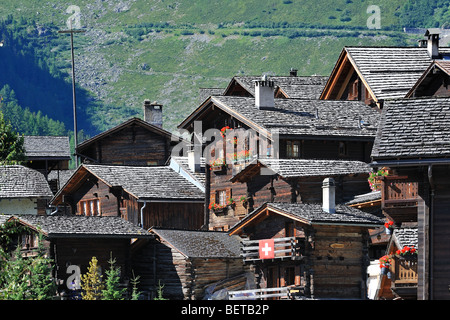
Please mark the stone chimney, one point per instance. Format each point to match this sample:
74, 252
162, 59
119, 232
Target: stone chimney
433, 42
293, 72
153, 113
264, 93
328, 195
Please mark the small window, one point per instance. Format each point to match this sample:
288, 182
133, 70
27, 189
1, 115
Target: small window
292, 149
90, 207
342, 148
222, 197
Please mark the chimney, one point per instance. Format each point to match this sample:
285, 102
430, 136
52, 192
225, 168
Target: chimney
433, 42
153, 113
293, 72
194, 160
264, 93
328, 195
422, 43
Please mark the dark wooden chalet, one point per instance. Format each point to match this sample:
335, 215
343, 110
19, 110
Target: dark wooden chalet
147, 196
50, 155
414, 143
281, 180
320, 250
285, 128
47, 153
399, 281
23, 191
133, 142
185, 263
376, 74
72, 241
435, 81
301, 87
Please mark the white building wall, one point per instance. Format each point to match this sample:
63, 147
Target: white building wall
18, 206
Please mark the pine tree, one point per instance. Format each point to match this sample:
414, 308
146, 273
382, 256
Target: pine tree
135, 293
42, 286
112, 289
11, 144
91, 282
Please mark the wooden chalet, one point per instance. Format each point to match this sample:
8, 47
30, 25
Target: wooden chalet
186, 262
413, 142
376, 74
293, 128
47, 153
72, 241
293, 86
304, 128
400, 280
23, 191
133, 142
281, 180
435, 81
50, 155
318, 249
147, 196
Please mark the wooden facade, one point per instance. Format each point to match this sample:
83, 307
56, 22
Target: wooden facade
253, 184
330, 258
90, 193
134, 142
184, 263
417, 189
71, 242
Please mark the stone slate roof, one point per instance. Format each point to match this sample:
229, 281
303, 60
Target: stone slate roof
83, 227
315, 167
201, 244
314, 214
366, 197
428, 76
46, 147
305, 117
414, 128
21, 182
391, 71
183, 162
159, 182
406, 236
302, 87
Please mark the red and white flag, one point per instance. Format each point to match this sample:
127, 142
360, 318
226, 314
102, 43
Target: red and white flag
266, 249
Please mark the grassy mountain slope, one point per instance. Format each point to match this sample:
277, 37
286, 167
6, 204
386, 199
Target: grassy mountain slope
166, 50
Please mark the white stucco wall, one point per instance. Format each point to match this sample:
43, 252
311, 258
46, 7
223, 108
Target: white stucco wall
18, 206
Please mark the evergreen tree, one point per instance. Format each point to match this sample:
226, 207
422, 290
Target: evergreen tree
112, 289
91, 282
42, 286
11, 144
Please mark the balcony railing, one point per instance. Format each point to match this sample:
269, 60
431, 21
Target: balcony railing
399, 190
284, 248
405, 271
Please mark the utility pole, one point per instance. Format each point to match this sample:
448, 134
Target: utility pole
75, 131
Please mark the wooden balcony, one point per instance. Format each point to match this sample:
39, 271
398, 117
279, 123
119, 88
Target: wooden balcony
405, 271
400, 196
284, 249
405, 277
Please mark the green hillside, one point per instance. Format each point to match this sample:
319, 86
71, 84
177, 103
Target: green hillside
166, 50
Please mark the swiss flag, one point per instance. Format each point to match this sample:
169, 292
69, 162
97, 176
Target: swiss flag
266, 249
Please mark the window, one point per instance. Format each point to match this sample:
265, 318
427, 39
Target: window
292, 149
90, 207
342, 149
222, 197
29, 241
